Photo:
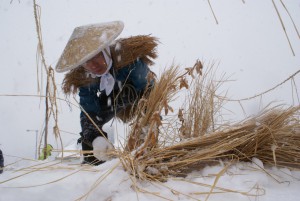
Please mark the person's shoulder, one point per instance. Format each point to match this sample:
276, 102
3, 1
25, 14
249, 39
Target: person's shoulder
137, 62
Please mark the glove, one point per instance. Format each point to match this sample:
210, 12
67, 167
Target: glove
101, 148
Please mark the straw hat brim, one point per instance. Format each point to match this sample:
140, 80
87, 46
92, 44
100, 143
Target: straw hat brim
86, 42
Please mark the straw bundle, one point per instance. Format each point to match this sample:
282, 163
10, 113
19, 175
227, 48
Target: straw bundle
272, 136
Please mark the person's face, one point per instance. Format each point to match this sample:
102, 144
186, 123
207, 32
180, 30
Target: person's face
96, 65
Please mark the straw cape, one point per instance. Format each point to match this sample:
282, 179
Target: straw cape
124, 51
86, 42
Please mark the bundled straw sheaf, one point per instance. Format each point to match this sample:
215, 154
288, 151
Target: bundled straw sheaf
272, 136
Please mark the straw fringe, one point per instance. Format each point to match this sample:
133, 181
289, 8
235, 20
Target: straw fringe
124, 52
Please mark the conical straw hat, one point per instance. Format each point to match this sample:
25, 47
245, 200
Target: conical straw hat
86, 42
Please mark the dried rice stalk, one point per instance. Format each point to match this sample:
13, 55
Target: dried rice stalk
201, 105
50, 94
148, 111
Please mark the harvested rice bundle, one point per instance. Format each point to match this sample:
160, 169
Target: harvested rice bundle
273, 137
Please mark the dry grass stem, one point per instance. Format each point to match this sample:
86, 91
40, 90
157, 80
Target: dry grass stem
295, 27
212, 11
283, 27
50, 101
201, 107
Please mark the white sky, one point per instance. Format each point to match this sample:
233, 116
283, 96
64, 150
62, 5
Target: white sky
249, 43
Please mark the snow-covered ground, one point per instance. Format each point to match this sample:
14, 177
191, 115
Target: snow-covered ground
67, 180
248, 43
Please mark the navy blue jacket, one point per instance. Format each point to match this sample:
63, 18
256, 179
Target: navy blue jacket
101, 108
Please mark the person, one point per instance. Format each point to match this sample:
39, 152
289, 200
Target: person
1, 162
111, 76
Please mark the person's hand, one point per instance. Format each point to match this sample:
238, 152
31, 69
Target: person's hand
101, 148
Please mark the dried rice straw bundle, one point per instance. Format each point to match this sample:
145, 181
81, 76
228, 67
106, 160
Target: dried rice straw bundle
273, 137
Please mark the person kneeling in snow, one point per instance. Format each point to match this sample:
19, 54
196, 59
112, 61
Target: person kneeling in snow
110, 75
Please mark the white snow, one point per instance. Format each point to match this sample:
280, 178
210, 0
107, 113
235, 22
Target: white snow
248, 44
67, 180
70, 152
